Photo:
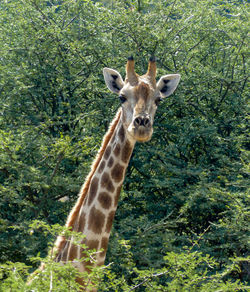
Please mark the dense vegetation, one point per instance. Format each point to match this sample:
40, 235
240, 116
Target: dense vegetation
182, 221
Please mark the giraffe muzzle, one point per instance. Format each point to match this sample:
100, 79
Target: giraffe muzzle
141, 128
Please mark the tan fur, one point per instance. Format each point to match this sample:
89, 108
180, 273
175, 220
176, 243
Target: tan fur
61, 240
142, 91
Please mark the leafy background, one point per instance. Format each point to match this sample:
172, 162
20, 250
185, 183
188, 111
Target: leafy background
185, 189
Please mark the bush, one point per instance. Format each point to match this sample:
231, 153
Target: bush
185, 271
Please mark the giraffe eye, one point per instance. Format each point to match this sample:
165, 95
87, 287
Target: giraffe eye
122, 98
157, 101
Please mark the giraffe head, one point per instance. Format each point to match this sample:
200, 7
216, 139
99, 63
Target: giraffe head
140, 97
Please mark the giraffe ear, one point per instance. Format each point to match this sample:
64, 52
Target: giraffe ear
168, 83
113, 80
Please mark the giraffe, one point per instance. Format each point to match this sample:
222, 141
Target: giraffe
95, 208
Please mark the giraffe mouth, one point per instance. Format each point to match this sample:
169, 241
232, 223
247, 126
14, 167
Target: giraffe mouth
141, 134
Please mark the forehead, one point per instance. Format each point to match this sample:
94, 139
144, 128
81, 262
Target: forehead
142, 90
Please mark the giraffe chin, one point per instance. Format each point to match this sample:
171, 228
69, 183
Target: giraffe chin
141, 135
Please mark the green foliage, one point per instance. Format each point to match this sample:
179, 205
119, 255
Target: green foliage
190, 178
186, 271
55, 276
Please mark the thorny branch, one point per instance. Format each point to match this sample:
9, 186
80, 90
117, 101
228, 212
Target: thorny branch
148, 278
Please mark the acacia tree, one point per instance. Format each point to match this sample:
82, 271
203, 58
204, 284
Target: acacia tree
190, 178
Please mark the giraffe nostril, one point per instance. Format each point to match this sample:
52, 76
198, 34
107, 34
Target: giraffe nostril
137, 121
146, 122
142, 121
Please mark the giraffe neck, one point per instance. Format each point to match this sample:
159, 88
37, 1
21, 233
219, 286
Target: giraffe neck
96, 213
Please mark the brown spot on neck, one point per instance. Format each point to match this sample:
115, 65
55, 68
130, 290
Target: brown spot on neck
117, 195
117, 172
121, 134
107, 152
113, 138
96, 220
106, 182
92, 244
117, 149
93, 190
110, 162
110, 221
101, 167
104, 246
126, 152
82, 222
105, 200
